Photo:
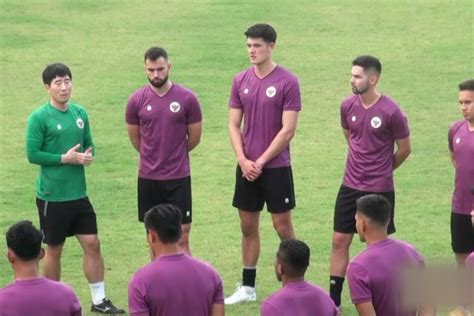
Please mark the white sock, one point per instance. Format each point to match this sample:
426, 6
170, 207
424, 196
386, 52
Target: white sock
97, 292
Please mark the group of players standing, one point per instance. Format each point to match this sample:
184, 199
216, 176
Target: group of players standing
164, 124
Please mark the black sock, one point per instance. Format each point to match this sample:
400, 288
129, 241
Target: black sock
248, 277
335, 289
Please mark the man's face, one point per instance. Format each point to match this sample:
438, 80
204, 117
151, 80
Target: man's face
360, 226
361, 80
59, 90
466, 103
259, 51
157, 71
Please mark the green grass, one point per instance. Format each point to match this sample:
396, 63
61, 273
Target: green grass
425, 47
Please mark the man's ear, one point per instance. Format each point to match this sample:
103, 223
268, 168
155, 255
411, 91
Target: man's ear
11, 256
41, 254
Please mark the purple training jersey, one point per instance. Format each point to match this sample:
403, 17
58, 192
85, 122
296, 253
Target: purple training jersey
262, 102
163, 122
461, 143
175, 285
373, 275
373, 132
299, 298
39, 296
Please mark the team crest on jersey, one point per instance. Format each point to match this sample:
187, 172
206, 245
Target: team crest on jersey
148, 107
80, 123
458, 140
271, 91
376, 122
175, 107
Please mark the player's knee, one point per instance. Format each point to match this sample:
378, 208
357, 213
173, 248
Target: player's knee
54, 251
340, 242
249, 230
284, 229
92, 246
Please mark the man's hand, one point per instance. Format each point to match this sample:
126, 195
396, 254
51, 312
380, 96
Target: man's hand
73, 157
250, 169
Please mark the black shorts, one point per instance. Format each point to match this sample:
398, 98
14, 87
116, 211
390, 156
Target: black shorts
462, 233
274, 187
345, 209
59, 220
154, 192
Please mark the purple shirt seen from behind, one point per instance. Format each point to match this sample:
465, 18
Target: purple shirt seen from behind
39, 296
262, 101
299, 298
175, 285
163, 122
470, 260
373, 275
373, 132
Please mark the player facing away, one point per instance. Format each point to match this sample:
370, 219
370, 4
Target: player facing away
59, 140
31, 294
372, 124
164, 125
173, 283
297, 297
461, 147
373, 275
267, 97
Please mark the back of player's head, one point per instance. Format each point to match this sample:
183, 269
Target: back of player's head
165, 220
467, 85
376, 208
24, 240
263, 31
154, 53
293, 255
369, 63
55, 70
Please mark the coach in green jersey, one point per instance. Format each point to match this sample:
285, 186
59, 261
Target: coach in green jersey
59, 140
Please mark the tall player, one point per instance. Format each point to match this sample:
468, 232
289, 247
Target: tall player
164, 125
267, 97
461, 146
59, 140
372, 124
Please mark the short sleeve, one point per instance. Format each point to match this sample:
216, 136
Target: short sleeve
137, 303
399, 125
193, 113
76, 309
359, 284
292, 96
343, 117
268, 310
234, 100
131, 112
450, 138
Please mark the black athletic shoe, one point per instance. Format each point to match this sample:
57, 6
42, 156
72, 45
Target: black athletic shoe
106, 307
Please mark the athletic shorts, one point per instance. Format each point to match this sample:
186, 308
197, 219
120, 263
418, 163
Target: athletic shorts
345, 209
59, 220
274, 187
154, 192
462, 233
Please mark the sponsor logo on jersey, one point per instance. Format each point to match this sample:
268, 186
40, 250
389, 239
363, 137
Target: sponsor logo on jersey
59, 127
458, 140
353, 118
246, 91
148, 107
271, 91
80, 123
376, 122
175, 107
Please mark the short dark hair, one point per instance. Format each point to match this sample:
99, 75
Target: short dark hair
294, 255
262, 30
24, 240
467, 85
368, 63
55, 70
154, 53
165, 220
375, 207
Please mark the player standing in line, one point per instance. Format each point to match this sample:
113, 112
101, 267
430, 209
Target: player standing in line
58, 139
372, 124
267, 97
164, 125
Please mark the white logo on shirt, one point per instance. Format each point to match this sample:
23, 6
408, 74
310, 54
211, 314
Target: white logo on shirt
148, 107
458, 140
376, 122
353, 118
246, 91
80, 123
174, 107
271, 91
59, 127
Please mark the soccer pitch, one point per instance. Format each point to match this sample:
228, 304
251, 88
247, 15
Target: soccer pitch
426, 49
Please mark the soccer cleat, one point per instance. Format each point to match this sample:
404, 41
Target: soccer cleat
106, 307
242, 294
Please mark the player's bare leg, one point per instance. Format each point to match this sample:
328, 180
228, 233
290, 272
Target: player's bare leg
52, 262
92, 263
184, 241
338, 264
283, 225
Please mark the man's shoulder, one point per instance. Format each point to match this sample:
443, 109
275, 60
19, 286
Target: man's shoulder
389, 104
456, 125
349, 100
286, 73
76, 106
40, 111
183, 91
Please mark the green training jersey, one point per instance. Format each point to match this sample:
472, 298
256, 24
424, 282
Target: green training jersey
51, 133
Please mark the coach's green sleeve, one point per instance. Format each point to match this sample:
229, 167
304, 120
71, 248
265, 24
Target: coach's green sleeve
88, 143
35, 134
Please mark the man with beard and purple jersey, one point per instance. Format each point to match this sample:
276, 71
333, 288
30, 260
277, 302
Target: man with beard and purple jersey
31, 294
372, 124
267, 97
374, 275
173, 283
461, 147
164, 125
297, 297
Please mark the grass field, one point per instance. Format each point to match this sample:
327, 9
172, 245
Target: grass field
426, 48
